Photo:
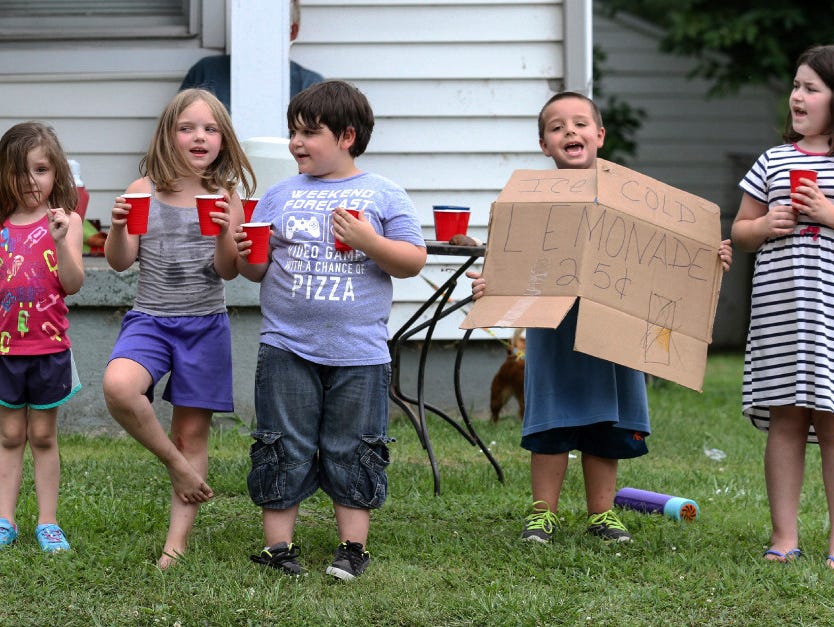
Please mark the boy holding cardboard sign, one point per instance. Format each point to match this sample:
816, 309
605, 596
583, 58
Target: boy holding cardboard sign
575, 400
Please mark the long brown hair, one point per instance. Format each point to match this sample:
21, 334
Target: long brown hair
821, 60
15, 146
164, 164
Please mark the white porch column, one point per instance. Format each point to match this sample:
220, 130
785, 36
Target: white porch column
579, 22
260, 81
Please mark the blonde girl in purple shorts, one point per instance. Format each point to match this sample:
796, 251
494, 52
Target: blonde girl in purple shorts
178, 324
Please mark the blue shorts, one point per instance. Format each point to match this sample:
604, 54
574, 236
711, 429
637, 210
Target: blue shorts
318, 427
39, 381
196, 350
601, 439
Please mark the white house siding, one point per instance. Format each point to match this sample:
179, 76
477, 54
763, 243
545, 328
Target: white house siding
102, 96
455, 86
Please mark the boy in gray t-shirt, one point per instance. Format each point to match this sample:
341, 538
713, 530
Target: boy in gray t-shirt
321, 386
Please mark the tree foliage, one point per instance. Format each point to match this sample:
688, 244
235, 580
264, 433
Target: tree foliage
621, 120
736, 42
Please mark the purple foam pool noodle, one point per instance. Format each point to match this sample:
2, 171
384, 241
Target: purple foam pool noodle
648, 502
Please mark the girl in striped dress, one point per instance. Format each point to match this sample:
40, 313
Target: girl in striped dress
788, 387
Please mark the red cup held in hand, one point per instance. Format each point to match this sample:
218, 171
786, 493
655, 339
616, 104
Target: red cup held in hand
137, 217
801, 174
341, 246
207, 203
249, 208
258, 234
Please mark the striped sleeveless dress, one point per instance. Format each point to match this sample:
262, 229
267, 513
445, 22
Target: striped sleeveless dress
789, 356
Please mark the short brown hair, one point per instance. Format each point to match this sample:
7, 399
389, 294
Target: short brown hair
337, 105
568, 94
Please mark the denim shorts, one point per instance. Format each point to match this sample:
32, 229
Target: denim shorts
318, 427
601, 439
39, 381
196, 350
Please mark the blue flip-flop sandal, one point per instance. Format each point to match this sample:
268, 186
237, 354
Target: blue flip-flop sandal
783, 557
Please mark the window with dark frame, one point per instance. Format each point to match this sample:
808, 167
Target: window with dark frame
102, 19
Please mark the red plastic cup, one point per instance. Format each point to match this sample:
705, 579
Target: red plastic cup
83, 201
449, 221
801, 174
248, 208
463, 222
206, 203
341, 246
137, 217
258, 234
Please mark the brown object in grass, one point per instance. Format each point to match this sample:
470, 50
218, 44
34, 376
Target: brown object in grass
509, 380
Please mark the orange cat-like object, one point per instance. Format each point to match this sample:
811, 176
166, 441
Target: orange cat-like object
509, 380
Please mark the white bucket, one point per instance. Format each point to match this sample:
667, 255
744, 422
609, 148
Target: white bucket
271, 160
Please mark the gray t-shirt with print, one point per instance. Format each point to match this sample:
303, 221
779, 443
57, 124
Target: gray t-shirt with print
326, 306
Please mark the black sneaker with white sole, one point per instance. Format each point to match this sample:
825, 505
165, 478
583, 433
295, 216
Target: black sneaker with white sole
281, 556
350, 560
608, 527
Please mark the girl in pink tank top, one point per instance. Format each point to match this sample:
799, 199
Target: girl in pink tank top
40, 263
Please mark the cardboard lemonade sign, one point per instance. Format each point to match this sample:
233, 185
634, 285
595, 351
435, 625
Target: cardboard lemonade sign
640, 255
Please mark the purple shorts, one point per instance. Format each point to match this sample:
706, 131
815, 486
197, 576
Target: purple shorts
196, 350
39, 381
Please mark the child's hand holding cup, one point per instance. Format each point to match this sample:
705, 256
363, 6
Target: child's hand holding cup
206, 205
340, 245
258, 234
137, 217
249, 208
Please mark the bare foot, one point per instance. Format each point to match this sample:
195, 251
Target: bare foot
168, 559
188, 485
829, 561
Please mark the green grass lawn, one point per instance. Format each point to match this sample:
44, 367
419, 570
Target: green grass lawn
453, 559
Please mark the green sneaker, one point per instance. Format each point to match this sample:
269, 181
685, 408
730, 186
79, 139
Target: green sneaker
540, 524
608, 527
